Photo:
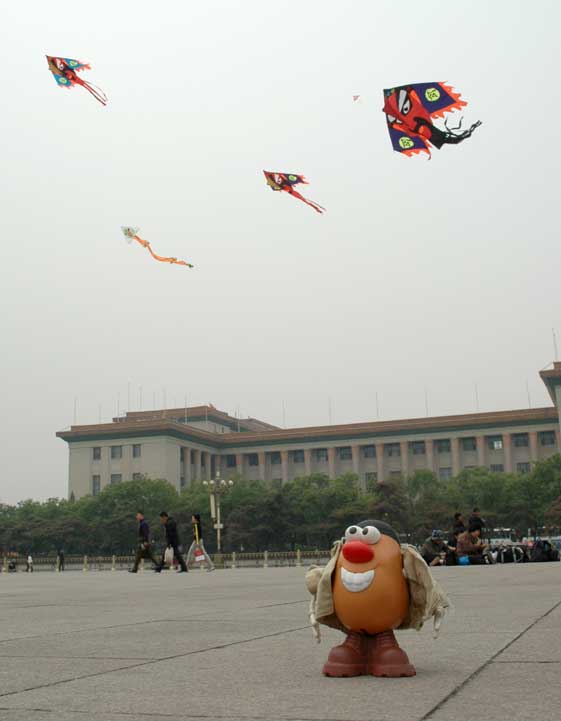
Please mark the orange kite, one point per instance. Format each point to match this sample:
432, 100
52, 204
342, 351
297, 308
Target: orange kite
132, 234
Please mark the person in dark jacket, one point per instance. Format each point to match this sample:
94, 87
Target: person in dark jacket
172, 541
475, 521
459, 525
60, 559
433, 549
144, 549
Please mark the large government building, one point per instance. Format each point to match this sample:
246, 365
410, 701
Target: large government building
184, 445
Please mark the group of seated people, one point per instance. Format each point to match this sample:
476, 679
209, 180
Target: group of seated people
463, 547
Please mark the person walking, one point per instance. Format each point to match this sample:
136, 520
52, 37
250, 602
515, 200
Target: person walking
29, 563
172, 540
144, 549
198, 542
60, 559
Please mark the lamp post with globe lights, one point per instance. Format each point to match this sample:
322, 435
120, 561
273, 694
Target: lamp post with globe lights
216, 488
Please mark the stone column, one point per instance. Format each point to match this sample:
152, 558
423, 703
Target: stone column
208, 469
404, 453
262, 465
429, 454
197, 459
507, 450
239, 464
480, 441
380, 462
355, 450
308, 461
533, 446
558, 439
284, 466
331, 462
455, 451
217, 464
187, 466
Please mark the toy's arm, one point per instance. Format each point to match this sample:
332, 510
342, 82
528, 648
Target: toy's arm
313, 576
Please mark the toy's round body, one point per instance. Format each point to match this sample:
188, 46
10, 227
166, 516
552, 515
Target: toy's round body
370, 595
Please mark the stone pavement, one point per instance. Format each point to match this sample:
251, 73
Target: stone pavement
235, 644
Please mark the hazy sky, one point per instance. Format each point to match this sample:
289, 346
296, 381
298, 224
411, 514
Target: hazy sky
437, 274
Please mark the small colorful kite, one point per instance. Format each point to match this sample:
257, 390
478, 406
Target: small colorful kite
410, 110
132, 234
286, 182
65, 72
356, 98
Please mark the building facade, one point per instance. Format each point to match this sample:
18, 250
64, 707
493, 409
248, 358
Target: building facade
194, 444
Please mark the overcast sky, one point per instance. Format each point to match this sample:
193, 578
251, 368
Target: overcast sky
436, 274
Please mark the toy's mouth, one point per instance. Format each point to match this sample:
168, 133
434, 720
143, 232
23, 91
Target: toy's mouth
356, 582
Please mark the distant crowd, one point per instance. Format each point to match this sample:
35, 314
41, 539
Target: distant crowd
465, 546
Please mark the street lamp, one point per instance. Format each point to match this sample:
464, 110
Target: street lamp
216, 489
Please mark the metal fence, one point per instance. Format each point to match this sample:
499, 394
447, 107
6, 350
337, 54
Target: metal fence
265, 559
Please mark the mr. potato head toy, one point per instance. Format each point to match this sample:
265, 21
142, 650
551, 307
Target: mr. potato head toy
370, 587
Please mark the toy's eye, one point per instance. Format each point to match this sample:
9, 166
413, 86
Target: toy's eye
403, 102
370, 535
353, 533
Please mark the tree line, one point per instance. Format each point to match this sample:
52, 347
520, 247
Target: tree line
307, 513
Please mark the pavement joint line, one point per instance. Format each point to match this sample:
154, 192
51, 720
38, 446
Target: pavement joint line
180, 717
285, 603
484, 665
527, 662
195, 619
218, 647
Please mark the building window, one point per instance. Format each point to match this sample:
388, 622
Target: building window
520, 440
418, 448
469, 444
116, 452
395, 475
523, 468
445, 473
96, 453
231, 461
371, 476
495, 443
393, 449
203, 459
96, 485
298, 456
253, 460
369, 451
136, 450
116, 477
345, 453
497, 468
547, 438
136, 476
275, 457
443, 445
182, 481
321, 454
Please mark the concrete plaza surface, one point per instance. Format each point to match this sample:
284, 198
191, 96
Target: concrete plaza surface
235, 644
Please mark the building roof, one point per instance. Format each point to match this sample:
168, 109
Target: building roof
552, 378
150, 423
197, 413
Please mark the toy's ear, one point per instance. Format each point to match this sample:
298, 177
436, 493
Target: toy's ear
426, 598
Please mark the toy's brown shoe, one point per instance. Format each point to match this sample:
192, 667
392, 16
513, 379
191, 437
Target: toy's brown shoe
386, 658
350, 658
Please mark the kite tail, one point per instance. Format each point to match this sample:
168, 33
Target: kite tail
97, 93
315, 206
454, 138
143, 243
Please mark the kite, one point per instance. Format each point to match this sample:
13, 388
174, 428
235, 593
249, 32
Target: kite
356, 98
65, 72
410, 110
286, 182
132, 234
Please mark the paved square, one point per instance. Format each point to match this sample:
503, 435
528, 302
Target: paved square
235, 644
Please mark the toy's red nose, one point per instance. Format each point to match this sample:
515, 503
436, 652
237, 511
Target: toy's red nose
357, 552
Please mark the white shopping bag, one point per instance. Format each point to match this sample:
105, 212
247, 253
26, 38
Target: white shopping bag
199, 555
168, 557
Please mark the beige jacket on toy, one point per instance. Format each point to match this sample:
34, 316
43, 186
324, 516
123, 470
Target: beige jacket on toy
426, 598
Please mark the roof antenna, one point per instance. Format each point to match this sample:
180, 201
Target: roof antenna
476, 397
528, 394
555, 349
377, 407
